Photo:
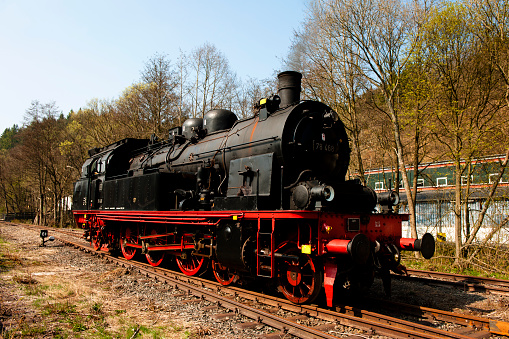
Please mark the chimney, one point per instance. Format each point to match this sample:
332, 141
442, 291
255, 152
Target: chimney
289, 88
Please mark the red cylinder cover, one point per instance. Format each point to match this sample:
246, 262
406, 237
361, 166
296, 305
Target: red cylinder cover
337, 246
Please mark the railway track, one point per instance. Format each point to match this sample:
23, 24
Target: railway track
262, 308
464, 282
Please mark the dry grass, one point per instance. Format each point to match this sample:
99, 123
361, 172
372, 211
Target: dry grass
46, 300
489, 261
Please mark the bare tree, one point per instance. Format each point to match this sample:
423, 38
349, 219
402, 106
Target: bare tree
378, 35
331, 74
248, 93
491, 22
159, 102
212, 83
491, 17
37, 151
466, 107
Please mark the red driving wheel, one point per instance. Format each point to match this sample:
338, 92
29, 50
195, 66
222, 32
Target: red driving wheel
223, 274
191, 265
300, 280
128, 237
155, 258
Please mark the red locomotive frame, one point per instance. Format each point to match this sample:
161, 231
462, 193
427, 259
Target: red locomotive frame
320, 237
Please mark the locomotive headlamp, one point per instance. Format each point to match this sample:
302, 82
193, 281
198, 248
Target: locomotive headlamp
387, 200
328, 193
324, 192
306, 194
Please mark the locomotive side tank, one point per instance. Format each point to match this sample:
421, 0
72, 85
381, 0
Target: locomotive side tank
263, 197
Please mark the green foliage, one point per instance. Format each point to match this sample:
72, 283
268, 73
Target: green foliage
77, 324
9, 137
32, 331
97, 307
64, 308
8, 258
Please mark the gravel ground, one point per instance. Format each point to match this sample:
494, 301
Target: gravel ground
58, 291
448, 298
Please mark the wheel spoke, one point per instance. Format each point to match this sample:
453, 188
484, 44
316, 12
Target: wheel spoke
155, 258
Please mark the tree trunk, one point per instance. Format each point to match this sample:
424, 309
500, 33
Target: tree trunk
41, 220
404, 174
457, 209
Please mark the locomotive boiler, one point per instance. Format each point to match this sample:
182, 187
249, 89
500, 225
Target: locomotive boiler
259, 198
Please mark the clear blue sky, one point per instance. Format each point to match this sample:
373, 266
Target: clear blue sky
73, 51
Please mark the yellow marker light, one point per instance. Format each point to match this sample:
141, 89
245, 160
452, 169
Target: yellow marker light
263, 101
234, 217
306, 249
441, 237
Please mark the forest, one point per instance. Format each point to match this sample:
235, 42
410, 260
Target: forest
413, 82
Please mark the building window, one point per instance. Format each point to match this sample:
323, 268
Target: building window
420, 182
464, 179
379, 185
442, 181
493, 177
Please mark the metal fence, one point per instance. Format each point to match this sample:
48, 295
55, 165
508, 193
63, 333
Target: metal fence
17, 216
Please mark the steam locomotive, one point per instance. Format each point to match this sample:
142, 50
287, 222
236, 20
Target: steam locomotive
259, 198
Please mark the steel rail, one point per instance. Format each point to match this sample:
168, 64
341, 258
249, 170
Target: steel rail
459, 277
492, 326
464, 282
176, 281
369, 322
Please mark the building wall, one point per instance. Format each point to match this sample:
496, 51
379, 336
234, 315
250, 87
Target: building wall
438, 217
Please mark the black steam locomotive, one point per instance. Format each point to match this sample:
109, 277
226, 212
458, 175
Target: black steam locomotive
262, 197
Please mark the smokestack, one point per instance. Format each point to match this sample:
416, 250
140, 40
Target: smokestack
289, 88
